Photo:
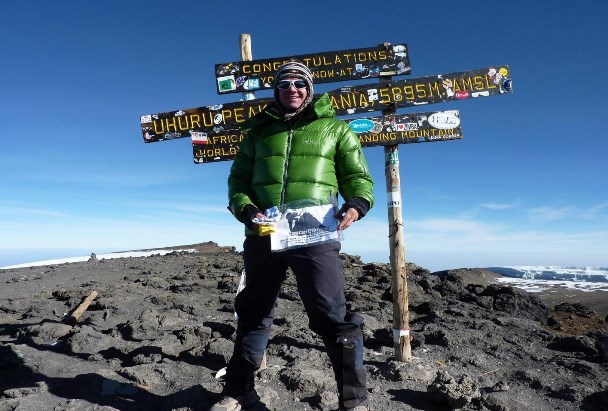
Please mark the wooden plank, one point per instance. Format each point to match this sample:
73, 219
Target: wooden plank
372, 131
214, 147
326, 67
407, 128
77, 313
464, 85
208, 119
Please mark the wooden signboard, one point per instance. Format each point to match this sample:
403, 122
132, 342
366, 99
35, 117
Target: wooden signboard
423, 90
407, 128
495, 80
207, 119
372, 131
212, 147
326, 67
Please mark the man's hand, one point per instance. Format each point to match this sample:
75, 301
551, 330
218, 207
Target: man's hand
254, 226
346, 217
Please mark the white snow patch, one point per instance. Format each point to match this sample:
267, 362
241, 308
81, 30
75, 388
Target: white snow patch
536, 286
107, 256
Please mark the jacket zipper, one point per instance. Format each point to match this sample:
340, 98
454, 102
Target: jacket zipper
286, 165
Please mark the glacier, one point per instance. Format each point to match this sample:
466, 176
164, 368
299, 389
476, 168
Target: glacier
539, 272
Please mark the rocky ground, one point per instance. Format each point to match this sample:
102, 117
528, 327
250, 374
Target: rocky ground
161, 327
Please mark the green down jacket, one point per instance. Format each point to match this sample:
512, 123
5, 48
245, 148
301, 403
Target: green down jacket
315, 157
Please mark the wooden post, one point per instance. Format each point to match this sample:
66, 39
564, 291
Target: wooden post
246, 55
401, 320
401, 331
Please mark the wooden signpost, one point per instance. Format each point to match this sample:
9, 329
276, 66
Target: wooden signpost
215, 135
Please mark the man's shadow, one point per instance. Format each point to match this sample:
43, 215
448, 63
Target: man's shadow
104, 391
19, 380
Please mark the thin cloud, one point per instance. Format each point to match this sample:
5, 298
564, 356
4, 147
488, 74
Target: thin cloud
450, 242
442, 237
128, 179
594, 211
119, 234
492, 206
452, 225
110, 178
479, 208
202, 209
544, 214
457, 233
30, 212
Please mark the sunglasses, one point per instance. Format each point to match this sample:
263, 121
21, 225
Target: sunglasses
286, 84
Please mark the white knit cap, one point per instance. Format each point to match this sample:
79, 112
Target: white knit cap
294, 69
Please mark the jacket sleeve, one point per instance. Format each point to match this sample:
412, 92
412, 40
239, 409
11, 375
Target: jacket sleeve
354, 178
239, 180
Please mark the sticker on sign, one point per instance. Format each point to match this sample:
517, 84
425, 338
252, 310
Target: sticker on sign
199, 137
362, 125
226, 83
444, 120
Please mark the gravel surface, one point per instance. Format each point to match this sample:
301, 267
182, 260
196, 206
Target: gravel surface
161, 327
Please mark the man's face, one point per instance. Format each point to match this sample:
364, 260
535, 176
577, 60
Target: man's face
292, 97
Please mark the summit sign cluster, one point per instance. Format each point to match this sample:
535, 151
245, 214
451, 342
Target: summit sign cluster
214, 129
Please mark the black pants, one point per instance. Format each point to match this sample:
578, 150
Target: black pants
320, 282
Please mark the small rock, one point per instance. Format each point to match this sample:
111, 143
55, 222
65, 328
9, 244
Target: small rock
500, 386
86, 340
47, 333
402, 371
582, 344
307, 382
455, 393
325, 399
41, 386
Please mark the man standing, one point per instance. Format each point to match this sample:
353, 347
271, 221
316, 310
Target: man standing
296, 151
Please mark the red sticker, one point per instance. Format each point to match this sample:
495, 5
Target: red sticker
461, 95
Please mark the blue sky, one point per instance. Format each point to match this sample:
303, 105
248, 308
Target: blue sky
526, 185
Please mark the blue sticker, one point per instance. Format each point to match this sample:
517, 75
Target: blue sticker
362, 125
252, 84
